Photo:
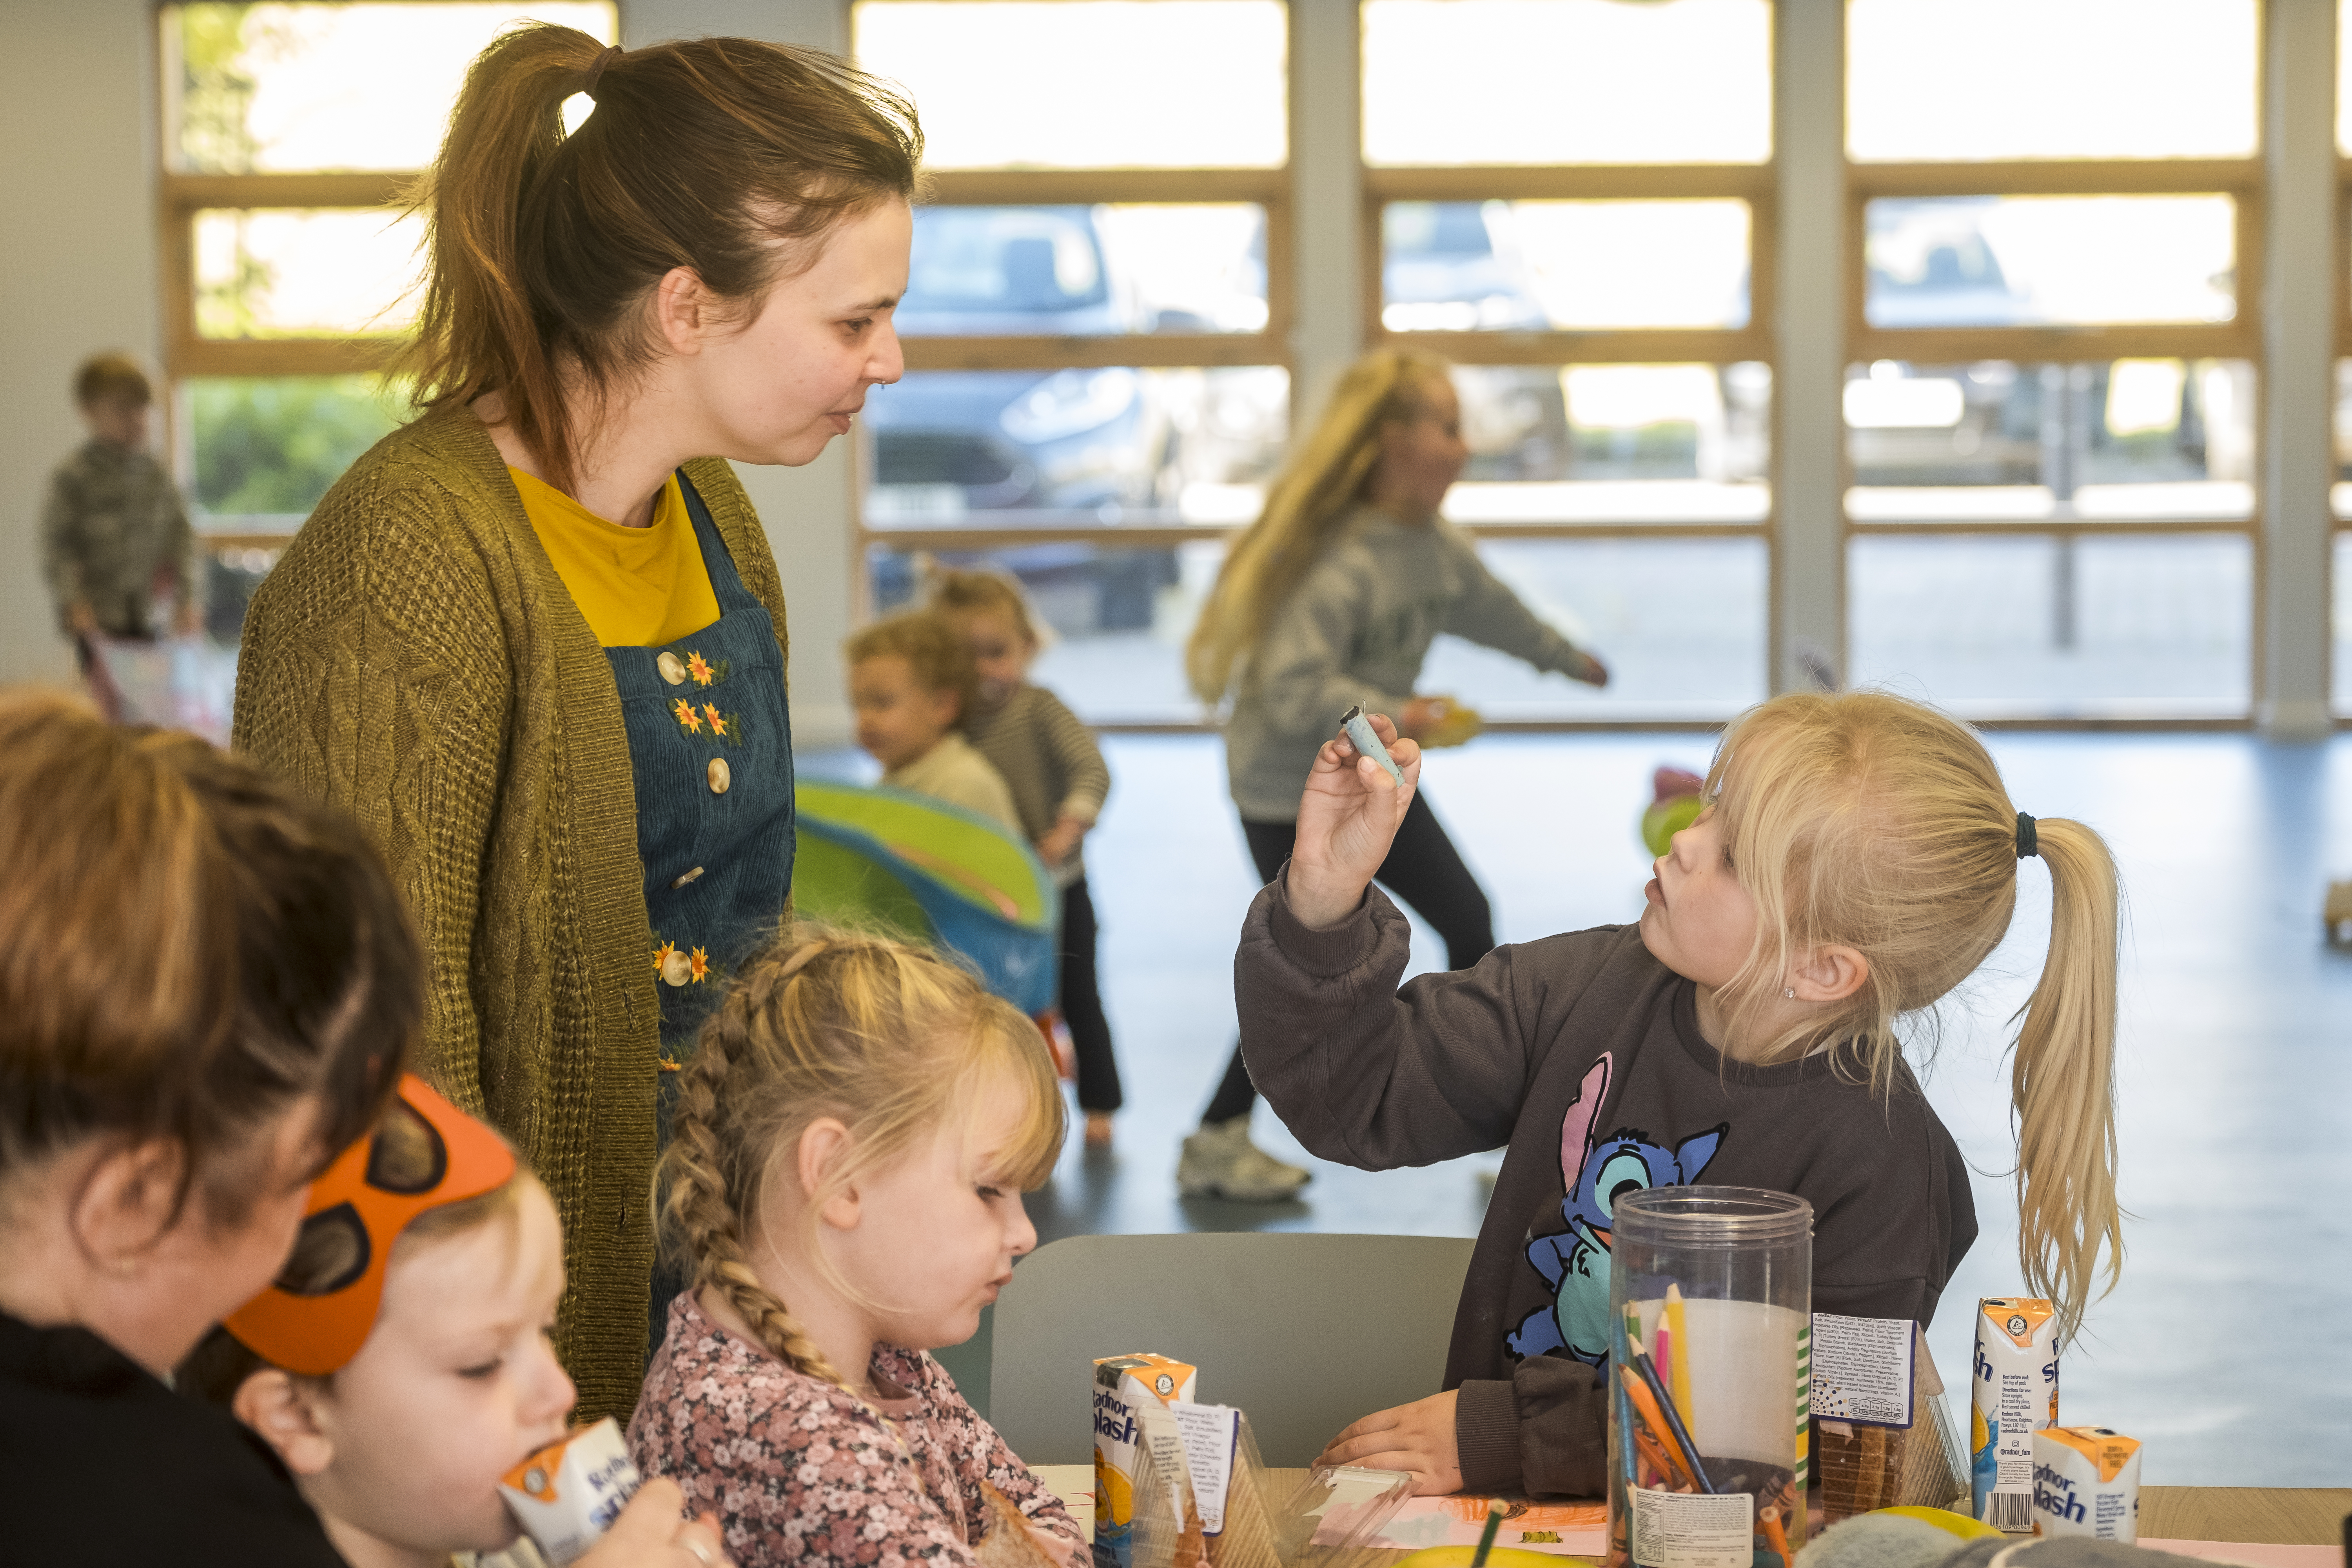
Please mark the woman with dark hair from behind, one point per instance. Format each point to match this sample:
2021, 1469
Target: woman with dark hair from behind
535, 640
208, 987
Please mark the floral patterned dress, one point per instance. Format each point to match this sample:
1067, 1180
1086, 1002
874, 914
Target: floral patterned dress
803, 1472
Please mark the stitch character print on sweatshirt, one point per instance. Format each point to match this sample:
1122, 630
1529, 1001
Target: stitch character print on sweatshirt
1596, 1170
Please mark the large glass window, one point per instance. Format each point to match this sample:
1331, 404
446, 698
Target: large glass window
1079, 447
1462, 266
1567, 196
286, 272
2006, 261
290, 130
2109, 441
313, 85
2056, 627
1681, 622
2051, 412
1980, 79
1086, 84
1069, 270
1566, 81
1096, 318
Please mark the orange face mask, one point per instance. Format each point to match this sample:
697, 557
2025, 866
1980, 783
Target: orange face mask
425, 1154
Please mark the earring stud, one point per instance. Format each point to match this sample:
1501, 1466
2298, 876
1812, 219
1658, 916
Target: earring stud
1790, 992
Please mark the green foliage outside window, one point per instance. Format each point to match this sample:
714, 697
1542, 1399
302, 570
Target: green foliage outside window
273, 448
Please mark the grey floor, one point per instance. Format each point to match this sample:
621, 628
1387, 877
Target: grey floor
2226, 1347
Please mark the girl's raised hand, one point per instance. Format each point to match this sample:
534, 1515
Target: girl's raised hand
1348, 818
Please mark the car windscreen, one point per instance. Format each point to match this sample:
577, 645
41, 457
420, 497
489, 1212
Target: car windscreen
1004, 261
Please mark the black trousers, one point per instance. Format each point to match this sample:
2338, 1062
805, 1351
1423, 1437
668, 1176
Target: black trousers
1423, 868
1082, 1006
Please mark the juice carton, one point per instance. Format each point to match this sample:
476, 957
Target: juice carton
1124, 1384
2087, 1482
2016, 1396
569, 1493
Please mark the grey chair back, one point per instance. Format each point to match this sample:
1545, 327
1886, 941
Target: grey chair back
1305, 1332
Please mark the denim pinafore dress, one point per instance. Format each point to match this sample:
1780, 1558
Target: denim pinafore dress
710, 747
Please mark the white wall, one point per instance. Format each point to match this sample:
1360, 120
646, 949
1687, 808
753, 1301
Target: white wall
78, 272
806, 509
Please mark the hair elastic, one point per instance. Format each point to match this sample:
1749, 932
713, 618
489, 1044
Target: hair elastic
596, 71
2027, 842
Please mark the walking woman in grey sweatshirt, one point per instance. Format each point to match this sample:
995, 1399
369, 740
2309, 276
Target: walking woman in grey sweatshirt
1332, 599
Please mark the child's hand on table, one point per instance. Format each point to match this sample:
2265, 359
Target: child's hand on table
1348, 818
1418, 1437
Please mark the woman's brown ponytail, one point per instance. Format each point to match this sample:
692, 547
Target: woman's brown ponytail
726, 156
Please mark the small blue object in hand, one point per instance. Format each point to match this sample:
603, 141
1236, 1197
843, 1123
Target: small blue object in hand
1367, 744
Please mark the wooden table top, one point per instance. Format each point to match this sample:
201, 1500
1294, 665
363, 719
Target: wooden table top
2285, 1516
2288, 1516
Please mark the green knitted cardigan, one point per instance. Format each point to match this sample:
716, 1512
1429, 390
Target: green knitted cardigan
414, 660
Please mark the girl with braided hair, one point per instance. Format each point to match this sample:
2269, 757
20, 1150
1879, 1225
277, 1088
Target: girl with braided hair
843, 1190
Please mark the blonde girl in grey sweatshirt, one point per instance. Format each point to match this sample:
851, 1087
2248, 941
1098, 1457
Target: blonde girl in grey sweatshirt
1331, 599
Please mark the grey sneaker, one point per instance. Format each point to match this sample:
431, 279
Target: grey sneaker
1220, 1162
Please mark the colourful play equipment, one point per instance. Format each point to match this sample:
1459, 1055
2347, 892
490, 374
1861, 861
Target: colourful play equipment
1675, 805
929, 872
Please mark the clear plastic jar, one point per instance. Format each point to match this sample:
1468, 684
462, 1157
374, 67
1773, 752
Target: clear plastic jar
1741, 1262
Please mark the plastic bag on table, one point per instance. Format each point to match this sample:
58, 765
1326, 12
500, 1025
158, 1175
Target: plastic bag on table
1330, 1521
180, 683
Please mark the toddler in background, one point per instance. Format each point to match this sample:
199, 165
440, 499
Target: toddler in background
912, 683
844, 1187
113, 532
1058, 781
400, 1365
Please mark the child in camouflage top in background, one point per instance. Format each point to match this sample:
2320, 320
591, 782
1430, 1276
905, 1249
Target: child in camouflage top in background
114, 536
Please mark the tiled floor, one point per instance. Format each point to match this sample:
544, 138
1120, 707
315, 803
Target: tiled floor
2227, 1345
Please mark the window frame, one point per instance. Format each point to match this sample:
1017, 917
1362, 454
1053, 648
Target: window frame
1756, 184
1267, 187
2239, 338
186, 354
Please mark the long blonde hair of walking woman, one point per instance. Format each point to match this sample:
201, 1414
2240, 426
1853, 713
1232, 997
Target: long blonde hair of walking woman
1323, 478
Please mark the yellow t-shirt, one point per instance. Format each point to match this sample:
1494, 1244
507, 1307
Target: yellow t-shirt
639, 587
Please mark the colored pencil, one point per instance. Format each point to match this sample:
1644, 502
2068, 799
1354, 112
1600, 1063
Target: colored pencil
1776, 1537
1664, 1352
1679, 1376
1656, 1457
1646, 1403
1495, 1512
1649, 1375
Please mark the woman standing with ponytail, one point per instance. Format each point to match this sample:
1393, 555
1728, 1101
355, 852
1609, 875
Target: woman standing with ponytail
1332, 599
535, 640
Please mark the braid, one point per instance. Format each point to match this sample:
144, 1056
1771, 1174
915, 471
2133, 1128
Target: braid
701, 1210
880, 1035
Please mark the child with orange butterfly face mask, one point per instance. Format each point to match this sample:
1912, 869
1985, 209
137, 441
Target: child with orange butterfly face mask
400, 1365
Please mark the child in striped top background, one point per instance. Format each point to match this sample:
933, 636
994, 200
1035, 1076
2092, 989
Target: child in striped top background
1059, 780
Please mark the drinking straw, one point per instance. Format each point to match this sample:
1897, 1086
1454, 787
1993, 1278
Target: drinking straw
1682, 1437
1495, 1508
1679, 1376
